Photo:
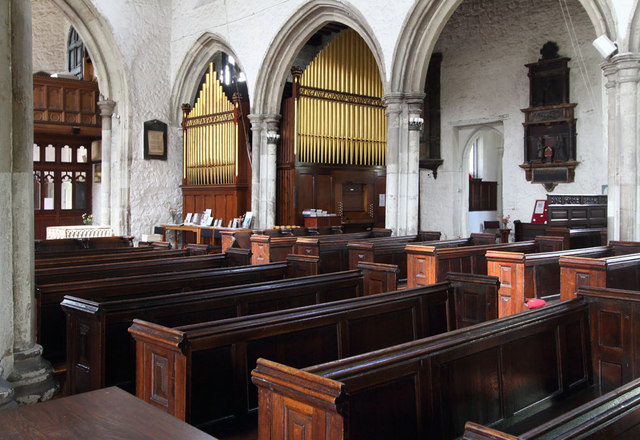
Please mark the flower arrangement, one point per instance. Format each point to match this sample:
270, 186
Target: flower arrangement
176, 217
504, 219
87, 219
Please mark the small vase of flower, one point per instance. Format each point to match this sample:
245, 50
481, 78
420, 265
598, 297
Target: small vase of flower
504, 230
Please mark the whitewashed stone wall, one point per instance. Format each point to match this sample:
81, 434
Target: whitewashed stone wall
485, 46
50, 33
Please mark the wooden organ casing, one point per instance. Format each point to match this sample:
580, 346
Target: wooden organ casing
216, 169
334, 138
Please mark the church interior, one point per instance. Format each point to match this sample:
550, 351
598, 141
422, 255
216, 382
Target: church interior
320, 219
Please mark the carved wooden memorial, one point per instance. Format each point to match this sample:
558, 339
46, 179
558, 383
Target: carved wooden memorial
549, 126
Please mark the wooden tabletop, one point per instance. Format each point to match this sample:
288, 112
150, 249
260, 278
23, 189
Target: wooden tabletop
109, 413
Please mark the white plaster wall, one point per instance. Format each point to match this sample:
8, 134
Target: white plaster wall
142, 30
485, 46
50, 33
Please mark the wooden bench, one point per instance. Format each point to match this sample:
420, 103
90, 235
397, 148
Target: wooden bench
621, 271
70, 244
132, 254
523, 276
612, 416
392, 250
50, 319
97, 328
430, 264
503, 373
330, 248
138, 267
201, 372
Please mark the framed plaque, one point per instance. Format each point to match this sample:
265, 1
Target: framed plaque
155, 140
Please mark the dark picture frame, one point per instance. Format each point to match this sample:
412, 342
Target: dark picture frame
155, 140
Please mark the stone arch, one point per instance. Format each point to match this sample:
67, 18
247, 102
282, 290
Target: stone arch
291, 38
633, 39
98, 37
424, 24
192, 68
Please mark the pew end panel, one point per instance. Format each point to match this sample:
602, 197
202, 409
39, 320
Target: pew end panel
302, 265
578, 272
238, 257
510, 269
428, 235
421, 265
266, 249
162, 351
378, 277
615, 335
478, 238
549, 243
310, 404
475, 299
226, 240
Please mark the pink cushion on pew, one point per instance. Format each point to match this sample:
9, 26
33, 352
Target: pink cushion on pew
535, 303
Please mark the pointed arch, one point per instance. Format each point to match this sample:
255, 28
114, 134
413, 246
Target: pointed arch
424, 24
293, 35
194, 64
97, 36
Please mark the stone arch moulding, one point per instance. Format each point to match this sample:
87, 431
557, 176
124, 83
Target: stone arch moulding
424, 23
291, 38
97, 36
193, 67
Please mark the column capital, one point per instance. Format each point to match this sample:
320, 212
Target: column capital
256, 121
272, 121
622, 68
106, 107
393, 102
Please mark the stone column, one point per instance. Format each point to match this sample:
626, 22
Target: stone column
6, 233
32, 376
106, 111
256, 195
623, 75
393, 101
269, 188
415, 102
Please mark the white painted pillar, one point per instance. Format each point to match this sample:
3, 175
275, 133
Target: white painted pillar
271, 127
120, 166
415, 102
623, 75
106, 111
256, 195
393, 102
32, 376
6, 233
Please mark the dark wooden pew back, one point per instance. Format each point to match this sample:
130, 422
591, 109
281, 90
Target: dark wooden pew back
391, 250
218, 356
128, 254
430, 264
105, 321
50, 319
511, 374
72, 244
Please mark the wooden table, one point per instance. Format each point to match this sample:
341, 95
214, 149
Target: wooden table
109, 413
197, 229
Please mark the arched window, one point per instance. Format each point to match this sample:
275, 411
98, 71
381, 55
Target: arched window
75, 53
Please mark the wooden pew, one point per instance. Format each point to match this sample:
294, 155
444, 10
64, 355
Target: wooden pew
430, 264
621, 271
241, 238
204, 374
391, 250
97, 328
612, 416
138, 267
523, 276
132, 254
70, 244
50, 319
330, 248
510, 374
